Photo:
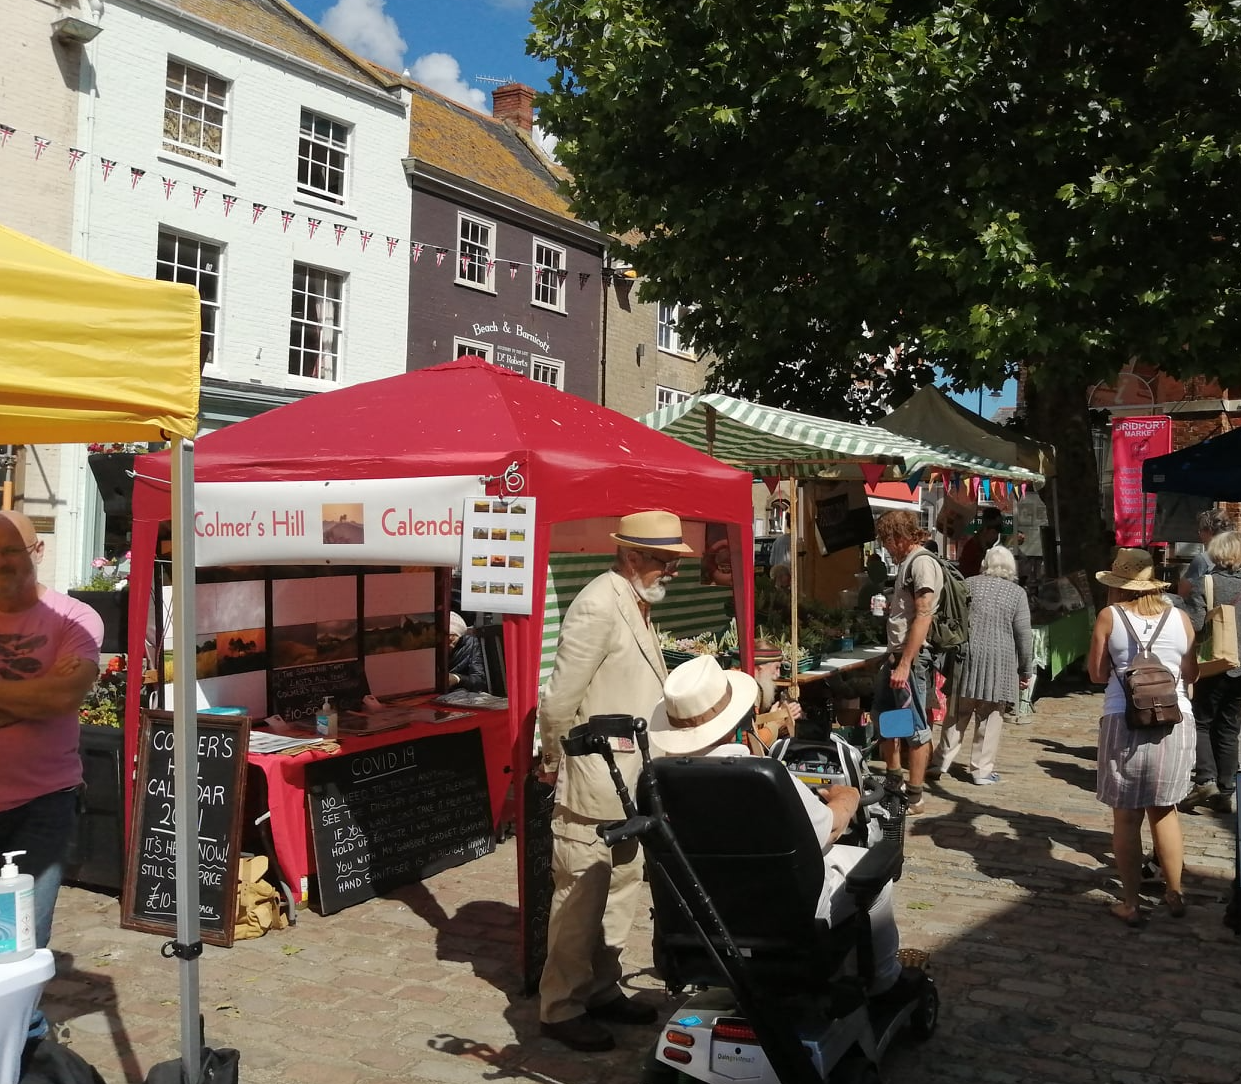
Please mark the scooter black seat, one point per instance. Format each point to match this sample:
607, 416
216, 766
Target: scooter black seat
743, 828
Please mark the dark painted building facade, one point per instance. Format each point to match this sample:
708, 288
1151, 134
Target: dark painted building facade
500, 267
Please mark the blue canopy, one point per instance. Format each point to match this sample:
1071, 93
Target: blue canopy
1210, 469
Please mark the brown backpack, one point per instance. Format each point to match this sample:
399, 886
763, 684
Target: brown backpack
1150, 688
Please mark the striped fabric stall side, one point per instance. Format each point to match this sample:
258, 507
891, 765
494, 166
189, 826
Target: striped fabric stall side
690, 608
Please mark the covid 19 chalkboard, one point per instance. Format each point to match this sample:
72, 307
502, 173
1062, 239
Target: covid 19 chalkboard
396, 814
149, 893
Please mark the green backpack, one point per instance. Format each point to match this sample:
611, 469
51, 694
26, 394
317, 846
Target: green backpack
950, 627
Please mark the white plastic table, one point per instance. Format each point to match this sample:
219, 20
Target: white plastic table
20, 986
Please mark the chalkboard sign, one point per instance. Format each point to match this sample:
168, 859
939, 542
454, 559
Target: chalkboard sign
297, 691
536, 879
396, 814
149, 895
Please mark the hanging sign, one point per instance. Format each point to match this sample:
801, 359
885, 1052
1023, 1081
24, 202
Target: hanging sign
498, 554
1135, 440
396, 521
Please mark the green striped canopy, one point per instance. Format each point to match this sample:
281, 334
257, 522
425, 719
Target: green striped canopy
770, 442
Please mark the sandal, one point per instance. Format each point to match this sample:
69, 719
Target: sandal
1176, 904
1130, 916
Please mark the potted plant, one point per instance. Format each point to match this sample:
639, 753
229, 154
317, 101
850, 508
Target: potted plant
106, 591
96, 853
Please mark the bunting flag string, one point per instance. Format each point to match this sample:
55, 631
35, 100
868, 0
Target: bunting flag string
228, 200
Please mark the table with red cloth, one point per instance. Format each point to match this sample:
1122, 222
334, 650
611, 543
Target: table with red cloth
286, 783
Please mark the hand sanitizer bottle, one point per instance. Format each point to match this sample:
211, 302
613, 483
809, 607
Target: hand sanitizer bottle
16, 911
325, 720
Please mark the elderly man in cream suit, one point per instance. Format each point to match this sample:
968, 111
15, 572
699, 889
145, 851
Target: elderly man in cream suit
608, 662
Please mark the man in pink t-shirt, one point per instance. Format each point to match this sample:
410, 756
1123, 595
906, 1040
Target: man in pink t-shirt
49, 659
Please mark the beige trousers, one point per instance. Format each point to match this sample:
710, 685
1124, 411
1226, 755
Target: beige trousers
596, 895
990, 717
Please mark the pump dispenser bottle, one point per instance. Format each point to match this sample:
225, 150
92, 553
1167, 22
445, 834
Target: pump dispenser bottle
326, 719
16, 911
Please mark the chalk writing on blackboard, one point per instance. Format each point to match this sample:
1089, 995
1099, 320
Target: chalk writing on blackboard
149, 893
297, 691
396, 814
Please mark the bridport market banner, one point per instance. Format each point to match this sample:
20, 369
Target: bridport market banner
1135, 440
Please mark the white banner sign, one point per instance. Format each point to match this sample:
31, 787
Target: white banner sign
387, 521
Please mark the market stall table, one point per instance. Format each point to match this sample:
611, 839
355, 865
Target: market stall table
1056, 645
285, 778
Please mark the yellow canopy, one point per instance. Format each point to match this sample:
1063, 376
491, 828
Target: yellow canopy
88, 354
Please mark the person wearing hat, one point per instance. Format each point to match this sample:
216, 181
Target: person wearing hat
465, 657
706, 711
608, 662
1142, 773
776, 717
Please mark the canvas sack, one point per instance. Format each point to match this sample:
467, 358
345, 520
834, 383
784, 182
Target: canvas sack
1150, 688
1217, 642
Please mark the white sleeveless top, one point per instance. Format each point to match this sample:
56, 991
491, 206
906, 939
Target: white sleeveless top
1169, 649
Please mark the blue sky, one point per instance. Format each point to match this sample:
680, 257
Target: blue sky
452, 46
463, 49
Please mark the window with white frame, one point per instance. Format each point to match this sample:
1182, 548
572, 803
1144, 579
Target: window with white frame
548, 276
322, 157
547, 371
670, 339
195, 107
317, 325
476, 251
667, 396
470, 348
186, 259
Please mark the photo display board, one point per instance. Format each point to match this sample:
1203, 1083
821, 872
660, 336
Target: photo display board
149, 893
497, 554
396, 814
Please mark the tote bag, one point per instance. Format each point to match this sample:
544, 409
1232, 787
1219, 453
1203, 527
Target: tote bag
1217, 643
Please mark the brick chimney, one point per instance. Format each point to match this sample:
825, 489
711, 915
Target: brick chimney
514, 103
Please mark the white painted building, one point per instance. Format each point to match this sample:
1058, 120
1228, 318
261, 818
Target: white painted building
212, 133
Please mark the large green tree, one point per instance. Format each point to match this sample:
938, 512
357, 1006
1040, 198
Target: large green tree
972, 183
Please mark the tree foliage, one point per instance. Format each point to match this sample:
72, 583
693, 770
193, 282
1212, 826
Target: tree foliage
975, 182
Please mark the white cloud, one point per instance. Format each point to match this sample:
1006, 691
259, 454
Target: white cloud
364, 27
442, 73
546, 141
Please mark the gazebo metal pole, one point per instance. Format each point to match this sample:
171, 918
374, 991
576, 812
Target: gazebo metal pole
794, 513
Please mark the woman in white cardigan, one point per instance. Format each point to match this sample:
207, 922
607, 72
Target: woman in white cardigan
996, 664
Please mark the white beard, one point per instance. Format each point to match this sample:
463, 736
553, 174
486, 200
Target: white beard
767, 693
653, 594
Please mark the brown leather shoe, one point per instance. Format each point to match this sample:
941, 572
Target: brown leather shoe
624, 1010
579, 1033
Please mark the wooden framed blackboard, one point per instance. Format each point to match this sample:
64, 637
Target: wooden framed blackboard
536, 879
149, 892
297, 691
396, 814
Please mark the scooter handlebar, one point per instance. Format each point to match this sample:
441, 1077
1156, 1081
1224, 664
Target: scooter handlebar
618, 831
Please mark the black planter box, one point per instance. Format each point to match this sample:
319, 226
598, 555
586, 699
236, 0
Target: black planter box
113, 607
96, 856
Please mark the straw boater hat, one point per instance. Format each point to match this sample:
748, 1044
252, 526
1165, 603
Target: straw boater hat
1132, 570
651, 531
701, 704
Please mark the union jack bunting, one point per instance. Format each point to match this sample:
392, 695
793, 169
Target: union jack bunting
75, 156
108, 165
229, 200
135, 175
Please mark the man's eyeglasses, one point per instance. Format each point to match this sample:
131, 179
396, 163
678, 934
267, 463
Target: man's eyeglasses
11, 552
669, 564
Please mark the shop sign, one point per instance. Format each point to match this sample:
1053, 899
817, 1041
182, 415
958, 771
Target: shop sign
1135, 440
398, 521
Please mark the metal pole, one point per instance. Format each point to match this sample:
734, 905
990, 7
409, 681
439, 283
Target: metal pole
794, 513
185, 757
8, 460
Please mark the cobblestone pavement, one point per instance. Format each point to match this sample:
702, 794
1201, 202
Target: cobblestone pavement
1006, 886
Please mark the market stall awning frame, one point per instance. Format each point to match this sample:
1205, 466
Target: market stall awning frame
771, 442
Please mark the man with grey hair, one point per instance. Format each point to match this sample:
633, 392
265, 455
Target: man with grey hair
608, 662
997, 662
1212, 522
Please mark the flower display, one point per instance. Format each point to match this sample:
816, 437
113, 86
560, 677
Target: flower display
105, 703
108, 574
115, 446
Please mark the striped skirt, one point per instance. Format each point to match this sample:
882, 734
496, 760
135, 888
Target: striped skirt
1141, 768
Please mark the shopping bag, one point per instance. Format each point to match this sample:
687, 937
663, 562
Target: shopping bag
903, 721
1217, 642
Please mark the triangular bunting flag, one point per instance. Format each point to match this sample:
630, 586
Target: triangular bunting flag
108, 165
75, 156
416, 249
465, 264
5, 131
512, 271
440, 253
135, 175
229, 200
365, 236
871, 472
771, 482
392, 243
313, 224
341, 229
915, 480
199, 192
286, 219
40, 145
583, 277
985, 486
169, 185
256, 212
